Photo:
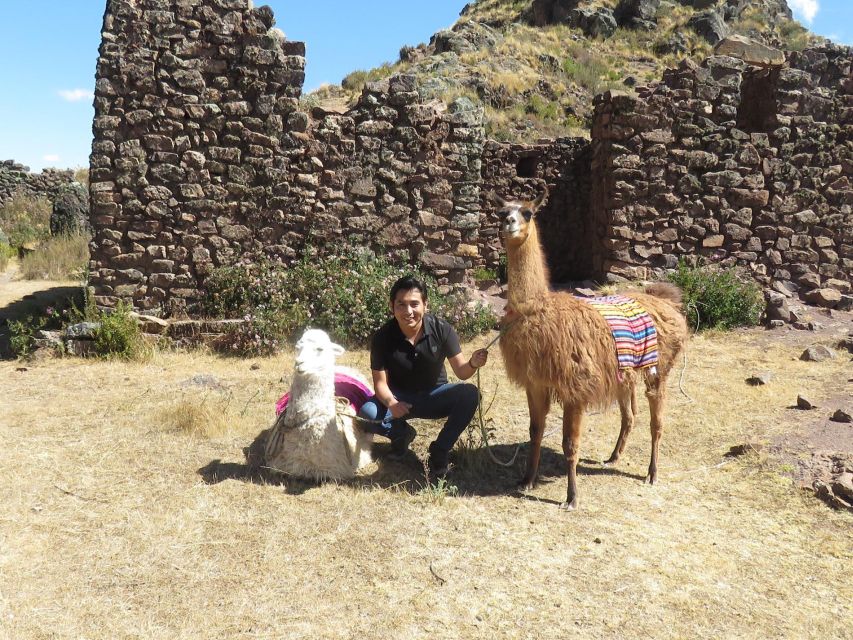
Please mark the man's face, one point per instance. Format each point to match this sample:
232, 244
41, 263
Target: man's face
409, 308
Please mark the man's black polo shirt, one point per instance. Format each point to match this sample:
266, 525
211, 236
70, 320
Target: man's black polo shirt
418, 367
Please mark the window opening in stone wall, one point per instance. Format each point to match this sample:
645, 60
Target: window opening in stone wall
757, 110
526, 167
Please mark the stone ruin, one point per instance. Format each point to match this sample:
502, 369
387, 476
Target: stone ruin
747, 166
202, 155
16, 178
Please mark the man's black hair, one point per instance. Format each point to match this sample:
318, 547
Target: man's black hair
407, 283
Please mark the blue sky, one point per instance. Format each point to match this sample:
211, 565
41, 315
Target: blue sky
49, 51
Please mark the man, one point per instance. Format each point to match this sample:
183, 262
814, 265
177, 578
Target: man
407, 361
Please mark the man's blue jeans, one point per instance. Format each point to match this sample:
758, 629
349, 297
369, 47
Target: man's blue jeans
457, 402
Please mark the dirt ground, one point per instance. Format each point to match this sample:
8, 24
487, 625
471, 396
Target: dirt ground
118, 522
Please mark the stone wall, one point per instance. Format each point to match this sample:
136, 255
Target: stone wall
399, 175
201, 155
741, 165
519, 172
16, 178
195, 132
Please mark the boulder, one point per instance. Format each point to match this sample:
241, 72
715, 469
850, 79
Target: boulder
841, 415
710, 25
636, 13
675, 44
817, 353
82, 330
827, 298
595, 23
760, 379
545, 12
805, 403
750, 51
465, 37
70, 211
777, 308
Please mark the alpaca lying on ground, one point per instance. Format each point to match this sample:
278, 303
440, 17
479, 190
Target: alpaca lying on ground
315, 436
560, 348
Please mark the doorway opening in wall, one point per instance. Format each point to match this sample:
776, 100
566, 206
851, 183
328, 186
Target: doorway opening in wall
757, 109
526, 167
566, 226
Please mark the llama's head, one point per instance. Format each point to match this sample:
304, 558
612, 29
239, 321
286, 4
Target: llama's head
316, 353
516, 217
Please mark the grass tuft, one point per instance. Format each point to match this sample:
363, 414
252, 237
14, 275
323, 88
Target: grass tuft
210, 416
25, 219
59, 258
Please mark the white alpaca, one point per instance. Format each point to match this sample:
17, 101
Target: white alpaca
316, 436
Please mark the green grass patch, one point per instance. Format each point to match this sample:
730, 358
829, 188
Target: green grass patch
716, 298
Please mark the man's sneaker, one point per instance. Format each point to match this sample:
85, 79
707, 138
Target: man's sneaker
400, 444
438, 464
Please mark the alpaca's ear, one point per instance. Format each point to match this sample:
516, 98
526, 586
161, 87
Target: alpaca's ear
494, 197
337, 349
540, 200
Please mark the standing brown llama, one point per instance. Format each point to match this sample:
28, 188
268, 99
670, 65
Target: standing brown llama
560, 348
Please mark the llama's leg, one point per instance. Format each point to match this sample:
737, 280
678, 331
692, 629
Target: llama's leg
538, 404
628, 409
572, 426
656, 393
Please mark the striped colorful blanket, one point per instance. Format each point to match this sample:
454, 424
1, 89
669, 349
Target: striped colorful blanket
633, 330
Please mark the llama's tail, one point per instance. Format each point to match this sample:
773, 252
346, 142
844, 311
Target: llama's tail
665, 291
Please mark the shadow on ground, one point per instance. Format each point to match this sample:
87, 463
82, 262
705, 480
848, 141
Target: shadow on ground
474, 472
31, 305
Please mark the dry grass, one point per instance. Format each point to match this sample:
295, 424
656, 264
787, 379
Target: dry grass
6, 255
60, 258
109, 529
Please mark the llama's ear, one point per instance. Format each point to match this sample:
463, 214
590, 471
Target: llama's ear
540, 200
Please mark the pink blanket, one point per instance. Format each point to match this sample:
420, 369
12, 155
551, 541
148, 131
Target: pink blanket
345, 387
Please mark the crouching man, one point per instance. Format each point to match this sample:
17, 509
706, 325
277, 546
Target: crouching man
407, 361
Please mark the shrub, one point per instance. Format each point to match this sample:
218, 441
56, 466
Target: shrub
119, 334
6, 252
586, 70
25, 219
60, 258
345, 294
794, 35
718, 298
542, 108
22, 334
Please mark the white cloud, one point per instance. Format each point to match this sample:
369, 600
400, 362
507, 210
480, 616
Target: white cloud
806, 8
51, 157
76, 95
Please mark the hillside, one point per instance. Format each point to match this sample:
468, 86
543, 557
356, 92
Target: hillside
535, 65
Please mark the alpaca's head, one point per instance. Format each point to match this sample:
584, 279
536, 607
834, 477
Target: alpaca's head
517, 216
316, 353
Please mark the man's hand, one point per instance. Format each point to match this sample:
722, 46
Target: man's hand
399, 409
479, 358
